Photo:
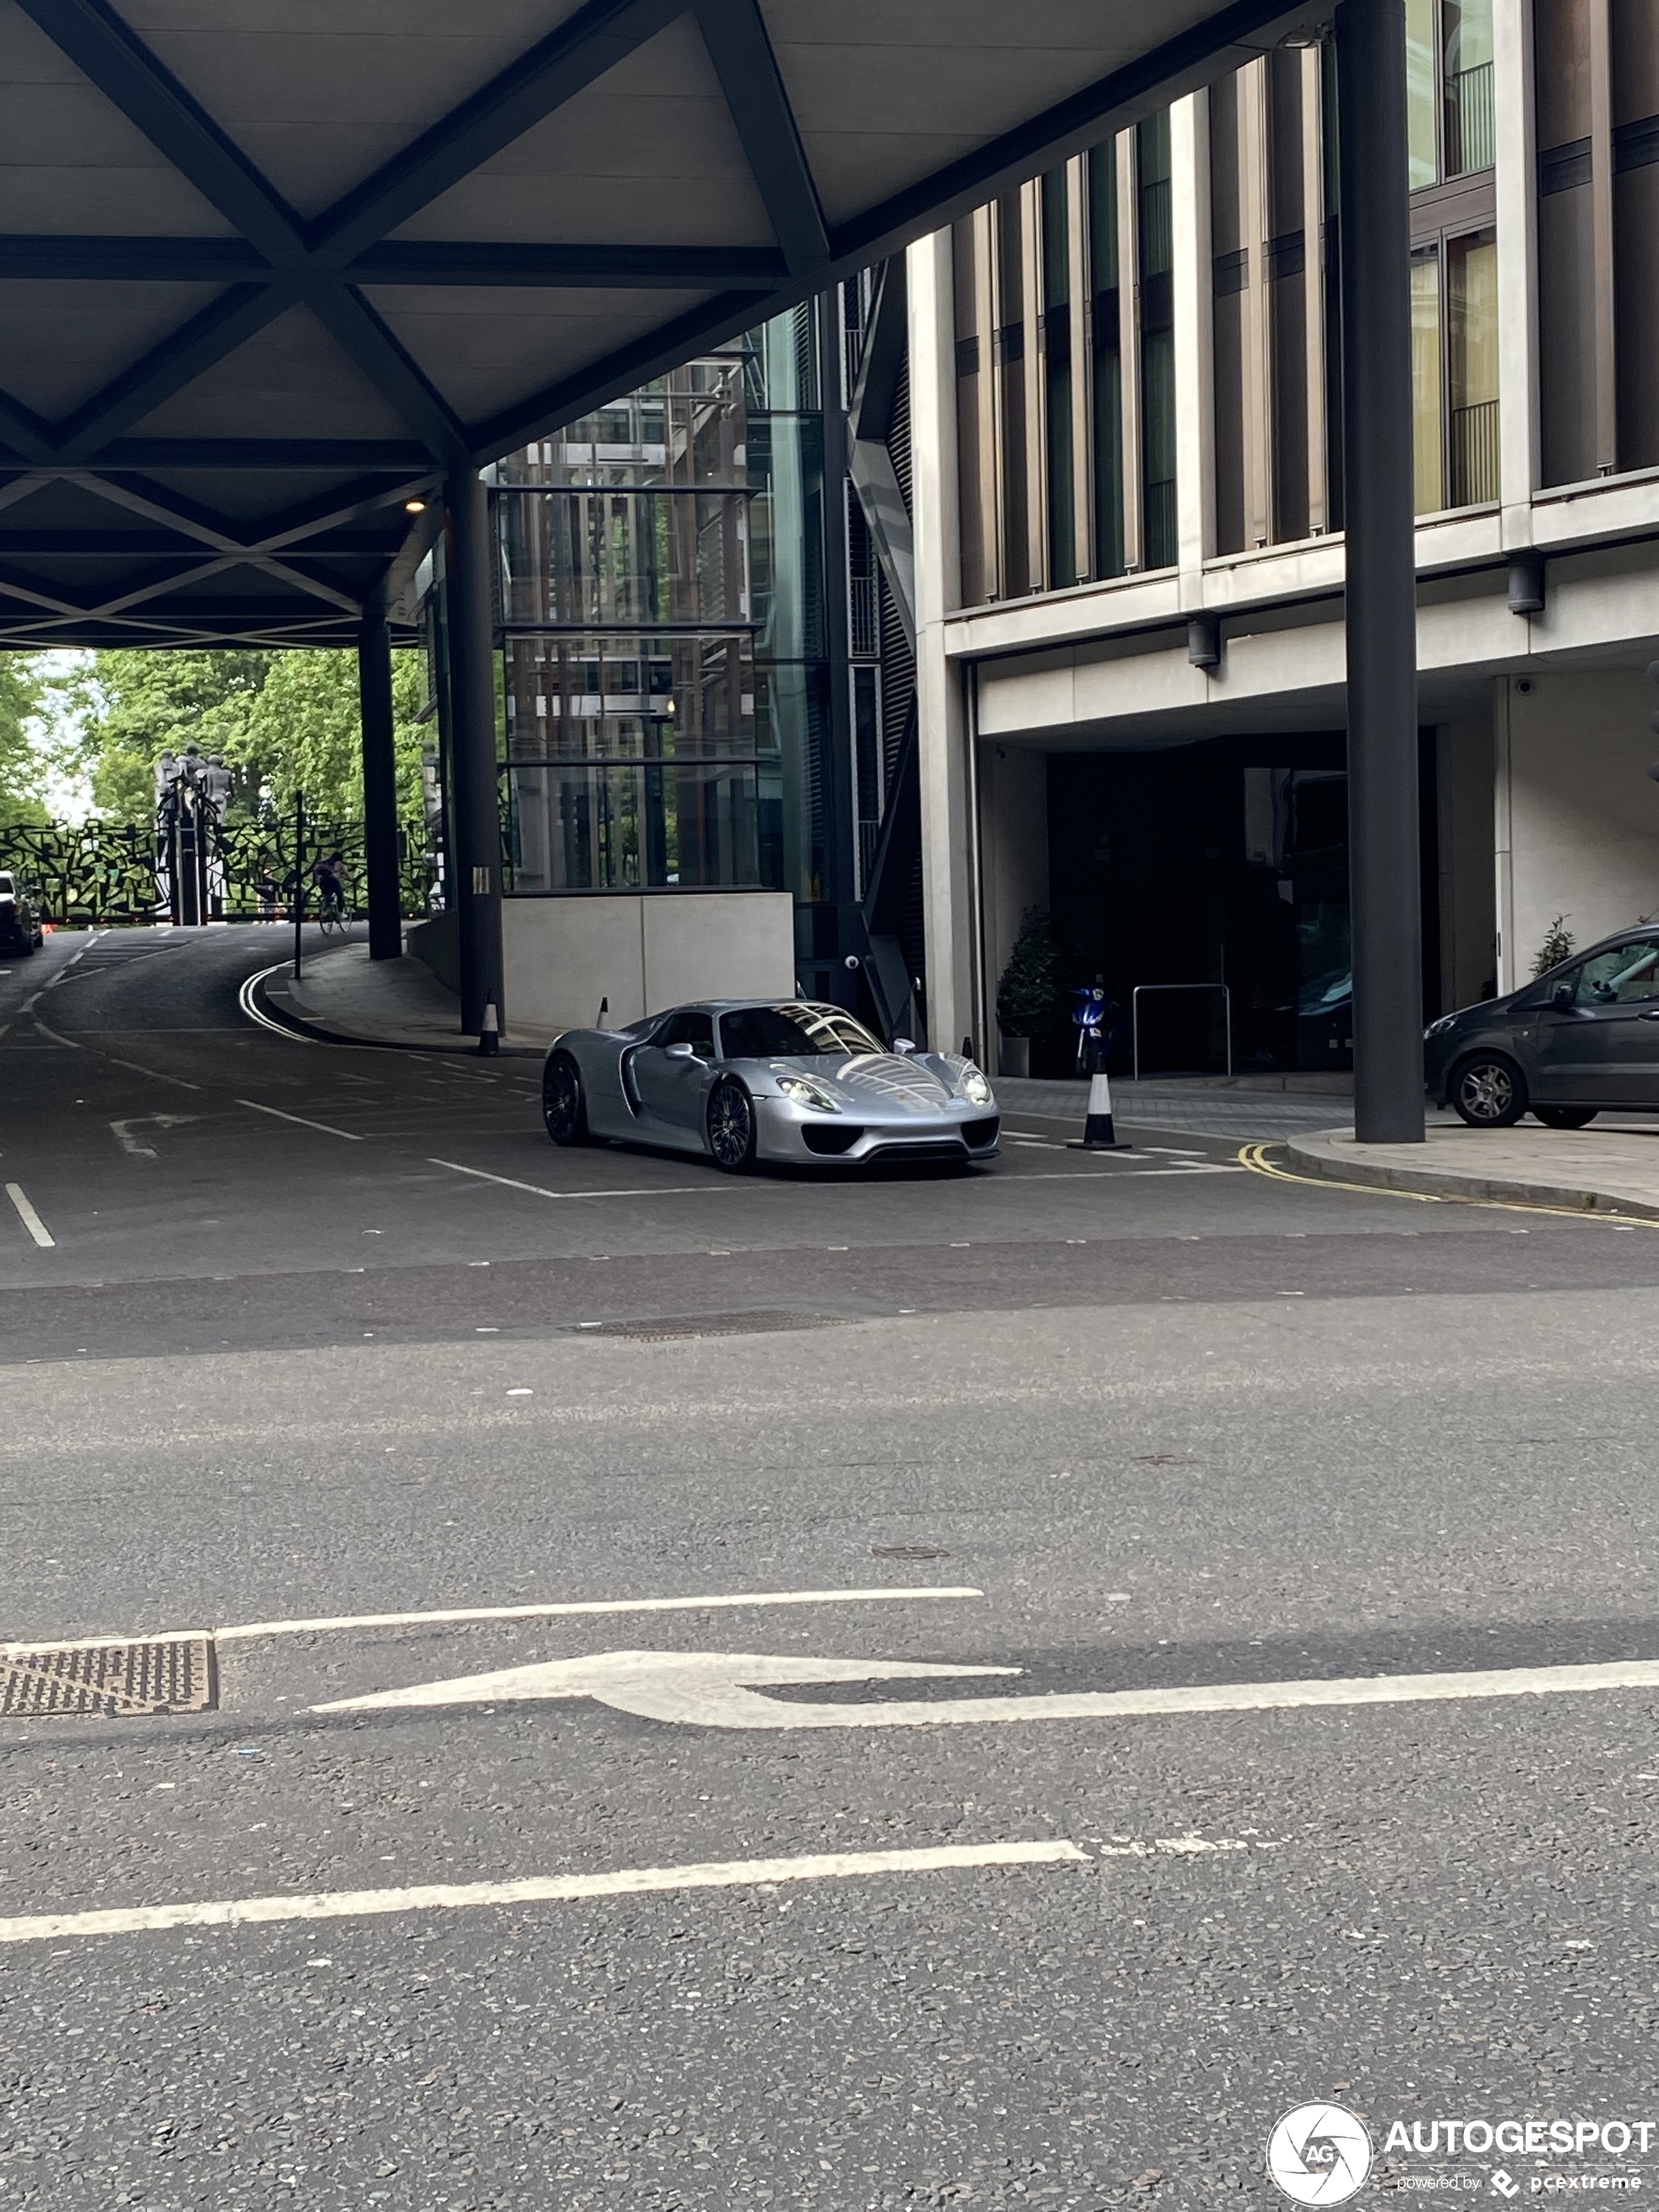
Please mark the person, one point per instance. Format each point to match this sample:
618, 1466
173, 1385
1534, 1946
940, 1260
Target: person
330, 883
270, 894
1089, 1008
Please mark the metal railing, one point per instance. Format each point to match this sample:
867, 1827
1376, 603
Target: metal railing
1471, 121
1141, 989
1473, 453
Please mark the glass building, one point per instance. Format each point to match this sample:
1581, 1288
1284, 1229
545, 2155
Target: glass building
664, 627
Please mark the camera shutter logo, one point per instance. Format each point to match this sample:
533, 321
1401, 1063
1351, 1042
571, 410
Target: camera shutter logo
1319, 2154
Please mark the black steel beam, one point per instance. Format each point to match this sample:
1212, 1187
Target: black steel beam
735, 35
555, 267
222, 326
525, 93
469, 620
1385, 887
43, 257
385, 934
359, 331
160, 544
127, 73
345, 457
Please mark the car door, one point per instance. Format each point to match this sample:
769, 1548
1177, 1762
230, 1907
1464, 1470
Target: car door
671, 1078
1596, 1045
1631, 1018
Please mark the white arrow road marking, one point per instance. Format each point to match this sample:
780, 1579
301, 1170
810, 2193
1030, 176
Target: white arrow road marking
129, 1143
888, 1593
712, 1689
537, 1889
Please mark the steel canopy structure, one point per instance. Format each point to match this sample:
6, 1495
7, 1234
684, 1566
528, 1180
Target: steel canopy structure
269, 274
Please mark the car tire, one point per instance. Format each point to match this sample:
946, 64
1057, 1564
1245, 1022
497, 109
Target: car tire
1566, 1117
1488, 1091
730, 1127
564, 1101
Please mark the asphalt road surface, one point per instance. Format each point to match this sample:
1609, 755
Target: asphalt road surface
933, 1690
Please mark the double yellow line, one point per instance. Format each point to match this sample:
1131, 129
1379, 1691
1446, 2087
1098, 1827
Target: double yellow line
1255, 1156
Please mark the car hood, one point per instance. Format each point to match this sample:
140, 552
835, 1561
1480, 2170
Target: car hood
873, 1082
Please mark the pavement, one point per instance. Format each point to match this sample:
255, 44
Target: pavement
596, 1800
1611, 1167
344, 996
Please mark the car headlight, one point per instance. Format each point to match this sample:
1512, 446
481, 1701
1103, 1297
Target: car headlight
1439, 1028
974, 1088
803, 1093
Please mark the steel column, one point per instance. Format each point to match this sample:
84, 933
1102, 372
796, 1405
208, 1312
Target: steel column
468, 615
1385, 875
386, 935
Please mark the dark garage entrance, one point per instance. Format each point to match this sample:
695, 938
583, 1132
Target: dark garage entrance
1221, 862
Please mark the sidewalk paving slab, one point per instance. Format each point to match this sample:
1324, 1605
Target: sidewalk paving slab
1612, 1167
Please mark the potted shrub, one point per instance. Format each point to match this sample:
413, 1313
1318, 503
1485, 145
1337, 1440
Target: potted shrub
1029, 1001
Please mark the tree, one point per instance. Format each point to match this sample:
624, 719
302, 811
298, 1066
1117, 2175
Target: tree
23, 762
131, 704
285, 721
1030, 1002
303, 733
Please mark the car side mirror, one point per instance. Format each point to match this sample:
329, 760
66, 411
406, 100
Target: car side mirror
903, 1045
1561, 997
679, 1051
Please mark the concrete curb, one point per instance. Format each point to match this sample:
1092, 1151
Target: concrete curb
1333, 1155
281, 1008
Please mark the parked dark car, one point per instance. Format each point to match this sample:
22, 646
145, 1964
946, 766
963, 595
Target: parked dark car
19, 917
1579, 1040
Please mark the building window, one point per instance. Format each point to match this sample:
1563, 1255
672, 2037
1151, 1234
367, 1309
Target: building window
1158, 390
663, 600
1450, 118
1057, 379
1106, 329
1455, 373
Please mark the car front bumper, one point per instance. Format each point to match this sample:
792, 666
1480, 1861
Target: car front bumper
792, 1135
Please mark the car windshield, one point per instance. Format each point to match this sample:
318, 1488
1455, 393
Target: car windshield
7, 888
796, 1030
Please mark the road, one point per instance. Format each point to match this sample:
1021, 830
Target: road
330, 1347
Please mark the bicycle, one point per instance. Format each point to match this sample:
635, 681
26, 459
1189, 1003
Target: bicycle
333, 919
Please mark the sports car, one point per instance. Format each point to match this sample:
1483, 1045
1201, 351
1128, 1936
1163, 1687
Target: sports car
745, 1080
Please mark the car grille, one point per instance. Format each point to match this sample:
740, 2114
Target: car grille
831, 1137
976, 1133
945, 1148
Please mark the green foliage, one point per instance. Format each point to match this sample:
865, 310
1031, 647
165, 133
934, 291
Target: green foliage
285, 721
1030, 1001
1557, 945
23, 764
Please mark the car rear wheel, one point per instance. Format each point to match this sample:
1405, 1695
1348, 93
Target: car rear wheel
564, 1103
1488, 1092
1566, 1117
731, 1126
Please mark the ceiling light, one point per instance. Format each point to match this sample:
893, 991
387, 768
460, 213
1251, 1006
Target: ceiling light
414, 506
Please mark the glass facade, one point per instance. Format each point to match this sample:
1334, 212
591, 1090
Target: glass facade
663, 618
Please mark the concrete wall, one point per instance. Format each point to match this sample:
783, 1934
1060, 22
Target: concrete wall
563, 956
1468, 914
1013, 818
1577, 815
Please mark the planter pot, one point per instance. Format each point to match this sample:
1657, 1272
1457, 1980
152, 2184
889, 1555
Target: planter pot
1015, 1056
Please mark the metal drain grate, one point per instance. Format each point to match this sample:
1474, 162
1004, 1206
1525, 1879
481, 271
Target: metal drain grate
728, 1324
171, 1675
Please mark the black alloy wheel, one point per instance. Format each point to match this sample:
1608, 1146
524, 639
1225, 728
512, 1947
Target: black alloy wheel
564, 1104
1488, 1091
1566, 1117
731, 1127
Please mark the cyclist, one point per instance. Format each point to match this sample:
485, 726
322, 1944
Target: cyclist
331, 886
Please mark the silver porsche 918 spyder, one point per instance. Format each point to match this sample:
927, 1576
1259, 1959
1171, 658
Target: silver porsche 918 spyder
778, 1080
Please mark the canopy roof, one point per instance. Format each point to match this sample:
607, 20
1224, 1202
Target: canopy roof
269, 267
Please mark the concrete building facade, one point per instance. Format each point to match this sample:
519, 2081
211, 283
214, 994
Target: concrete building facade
1126, 509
